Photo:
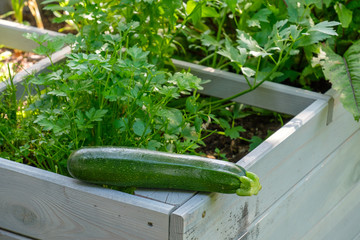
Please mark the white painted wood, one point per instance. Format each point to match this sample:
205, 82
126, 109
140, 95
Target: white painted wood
269, 95
11, 35
305, 204
174, 197
5, 235
342, 222
45, 205
40, 66
357, 237
288, 154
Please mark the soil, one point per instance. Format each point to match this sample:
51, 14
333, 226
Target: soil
261, 126
19, 59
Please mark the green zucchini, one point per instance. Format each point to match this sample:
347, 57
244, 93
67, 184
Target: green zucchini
132, 167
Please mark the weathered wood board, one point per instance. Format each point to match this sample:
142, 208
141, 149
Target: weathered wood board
280, 170
12, 35
342, 222
5, 235
317, 193
45, 205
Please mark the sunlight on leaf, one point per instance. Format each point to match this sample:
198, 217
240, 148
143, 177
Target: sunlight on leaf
344, 74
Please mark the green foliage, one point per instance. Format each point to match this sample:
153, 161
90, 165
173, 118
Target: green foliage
344, 74
115, 88
110, 96
155, 23
18, 6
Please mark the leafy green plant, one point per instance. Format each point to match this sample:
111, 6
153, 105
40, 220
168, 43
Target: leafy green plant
18, 7
111, 97
344, 74
112, 88
156, 21
248, 36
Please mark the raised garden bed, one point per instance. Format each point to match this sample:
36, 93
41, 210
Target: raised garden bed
309, 170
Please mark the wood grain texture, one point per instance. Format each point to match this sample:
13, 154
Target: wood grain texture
357, 237
173, 197
46, 205
5, 235
316, 194
342, 221
287, 154
11, 35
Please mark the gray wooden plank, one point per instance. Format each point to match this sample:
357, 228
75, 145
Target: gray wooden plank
5, 235
45, 205
173, 197
270, 95
316, 194
343, 221
40, 66
290, 153
357, 237
11, 35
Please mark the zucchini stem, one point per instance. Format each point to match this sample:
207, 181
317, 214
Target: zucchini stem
250, 185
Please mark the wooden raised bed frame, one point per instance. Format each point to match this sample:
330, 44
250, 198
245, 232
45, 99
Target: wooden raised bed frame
309, 170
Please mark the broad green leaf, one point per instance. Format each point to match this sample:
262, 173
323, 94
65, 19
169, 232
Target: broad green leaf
344, 74
194, 9
121, 123
197, 123
224, 124
231, 4
255, 141
260, 16
237, 55
209, 12
154, 145
46, 124
137, 53
208, 40
234, 132
246, 41
57, 93
315, 2
344, 14
191, 104
95, 115
139, 128
248, 71
318, 33
325, 27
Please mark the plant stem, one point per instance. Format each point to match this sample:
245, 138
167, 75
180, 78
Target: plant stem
218, 36
252, 88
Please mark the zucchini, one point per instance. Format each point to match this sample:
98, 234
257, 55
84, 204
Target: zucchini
132, 167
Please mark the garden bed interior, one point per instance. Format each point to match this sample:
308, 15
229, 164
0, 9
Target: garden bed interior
300, 198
